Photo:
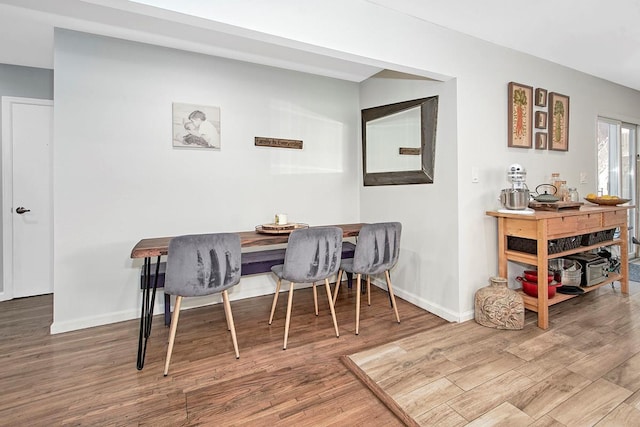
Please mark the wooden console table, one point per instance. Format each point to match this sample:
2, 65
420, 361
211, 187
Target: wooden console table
543, 226
159, 246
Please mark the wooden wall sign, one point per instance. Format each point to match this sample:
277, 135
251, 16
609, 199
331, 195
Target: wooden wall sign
278, 143
409, 151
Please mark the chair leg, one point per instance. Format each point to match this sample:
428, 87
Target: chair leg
275, 300
331, 307
226, 316
315, 297
172, 333
286, 323
358, 282
393, 298
232, 326
368, 290
335, 291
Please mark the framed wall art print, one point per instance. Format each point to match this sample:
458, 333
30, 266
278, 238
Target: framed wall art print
541, 120
541, 141
520, 115
558, 122
541, 97
196, 126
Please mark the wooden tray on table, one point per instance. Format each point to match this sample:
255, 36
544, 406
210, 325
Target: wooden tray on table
554, 206
279, 228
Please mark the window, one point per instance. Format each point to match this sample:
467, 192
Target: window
617, 152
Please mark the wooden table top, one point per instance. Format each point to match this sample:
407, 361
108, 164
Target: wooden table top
157, 246
538, 214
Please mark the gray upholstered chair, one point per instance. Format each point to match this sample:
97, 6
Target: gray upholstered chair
198, 265
377, 250
312, 254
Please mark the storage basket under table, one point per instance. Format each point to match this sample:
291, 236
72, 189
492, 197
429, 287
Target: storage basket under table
554, 246
597, 237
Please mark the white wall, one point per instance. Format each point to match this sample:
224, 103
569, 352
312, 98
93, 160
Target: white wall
483, 144
375, 35
111, 98
427, 270
117, 178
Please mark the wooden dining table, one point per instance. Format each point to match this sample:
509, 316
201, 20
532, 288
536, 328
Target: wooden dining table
156, 247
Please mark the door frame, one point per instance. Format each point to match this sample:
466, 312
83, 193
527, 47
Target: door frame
618, 177
7, 190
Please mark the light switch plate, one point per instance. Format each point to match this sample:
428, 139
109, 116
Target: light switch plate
583, 177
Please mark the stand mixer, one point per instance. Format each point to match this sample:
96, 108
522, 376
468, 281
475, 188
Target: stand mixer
516, 197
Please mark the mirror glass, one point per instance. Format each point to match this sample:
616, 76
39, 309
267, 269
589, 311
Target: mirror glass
387, 135
398, 142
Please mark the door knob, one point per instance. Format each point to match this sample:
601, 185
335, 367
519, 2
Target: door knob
22, 210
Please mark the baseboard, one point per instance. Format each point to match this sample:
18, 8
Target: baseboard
248, 288
436, 309
93, 321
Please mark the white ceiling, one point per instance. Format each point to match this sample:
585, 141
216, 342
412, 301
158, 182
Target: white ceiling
595, 37
580, 34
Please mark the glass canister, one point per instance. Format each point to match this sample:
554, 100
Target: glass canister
573, 195
555, 181
563, 192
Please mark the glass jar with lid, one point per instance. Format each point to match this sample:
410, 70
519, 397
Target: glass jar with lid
573, 195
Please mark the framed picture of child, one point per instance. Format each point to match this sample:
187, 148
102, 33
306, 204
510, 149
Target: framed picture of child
196, 126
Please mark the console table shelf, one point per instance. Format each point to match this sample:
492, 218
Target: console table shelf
543, 226
533, 258
531, 303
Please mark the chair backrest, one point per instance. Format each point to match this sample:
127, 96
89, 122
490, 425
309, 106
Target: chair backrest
377, 248
312, 254
202, 264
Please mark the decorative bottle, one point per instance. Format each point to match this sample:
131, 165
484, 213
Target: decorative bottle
555, 181
497, 306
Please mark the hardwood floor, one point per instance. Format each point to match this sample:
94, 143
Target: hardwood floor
89, 377
583, 371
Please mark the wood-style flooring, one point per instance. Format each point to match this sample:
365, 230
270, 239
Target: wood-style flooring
583, 371
89, 377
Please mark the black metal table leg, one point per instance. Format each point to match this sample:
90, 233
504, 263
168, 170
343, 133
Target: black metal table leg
146, 314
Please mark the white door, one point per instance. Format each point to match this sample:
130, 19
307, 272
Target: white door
27, 130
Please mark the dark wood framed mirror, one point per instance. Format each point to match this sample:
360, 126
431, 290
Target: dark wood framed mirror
399, 141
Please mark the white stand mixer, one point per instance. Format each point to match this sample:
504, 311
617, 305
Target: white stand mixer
517, 197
